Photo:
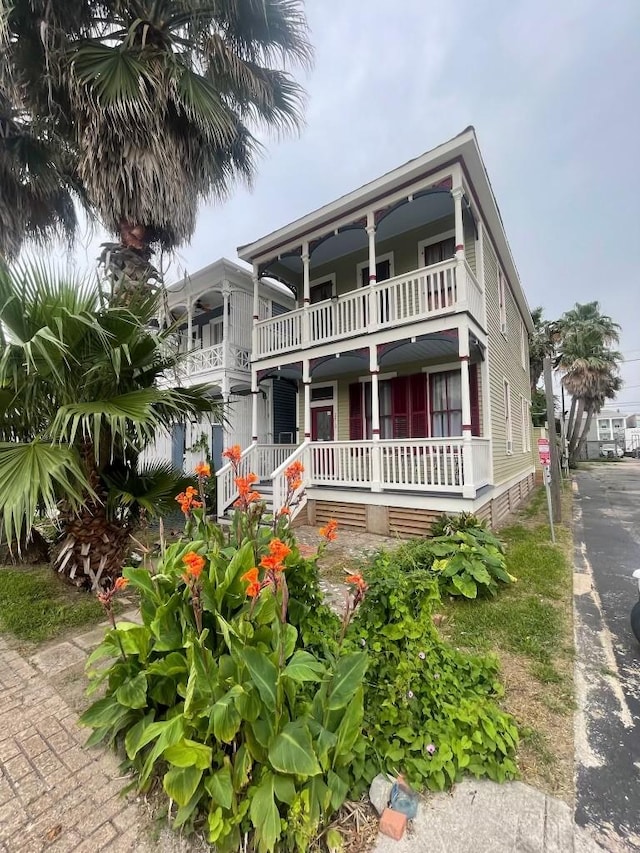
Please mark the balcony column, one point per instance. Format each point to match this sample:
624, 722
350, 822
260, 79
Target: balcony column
189, 346
256, 311
306, 379
376, 450
468, 488
255, 391
461, 273
306, 293
226, 326
371, 233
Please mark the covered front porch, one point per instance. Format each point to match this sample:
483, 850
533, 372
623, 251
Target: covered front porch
408, 417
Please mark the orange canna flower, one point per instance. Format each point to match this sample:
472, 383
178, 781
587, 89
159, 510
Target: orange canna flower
279, 550
294, 471
203, 469
329, 531
284, 511
195, 564
187, 500
251, 576
271, 564
233, 454
121, 583
253, 589
358, 580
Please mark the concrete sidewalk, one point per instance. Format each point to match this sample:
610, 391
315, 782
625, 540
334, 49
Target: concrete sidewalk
483, 817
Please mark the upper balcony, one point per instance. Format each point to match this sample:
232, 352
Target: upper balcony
444, 288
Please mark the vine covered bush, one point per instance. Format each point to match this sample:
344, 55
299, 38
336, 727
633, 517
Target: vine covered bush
431, 711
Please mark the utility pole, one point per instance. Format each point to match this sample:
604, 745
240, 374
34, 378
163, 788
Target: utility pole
553, 443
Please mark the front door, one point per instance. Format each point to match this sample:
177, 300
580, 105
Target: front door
322, 423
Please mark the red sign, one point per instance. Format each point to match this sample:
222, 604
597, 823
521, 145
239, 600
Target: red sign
543, 451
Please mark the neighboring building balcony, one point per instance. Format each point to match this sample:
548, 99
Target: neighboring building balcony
442, 289
214, 358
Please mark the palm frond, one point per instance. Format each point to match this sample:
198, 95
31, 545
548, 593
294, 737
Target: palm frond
37, 474
152, 488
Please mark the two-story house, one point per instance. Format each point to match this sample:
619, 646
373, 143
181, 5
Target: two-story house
408, 345
212, 310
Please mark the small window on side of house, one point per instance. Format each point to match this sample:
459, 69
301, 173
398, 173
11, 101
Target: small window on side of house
502, 302
526, 434
508, 425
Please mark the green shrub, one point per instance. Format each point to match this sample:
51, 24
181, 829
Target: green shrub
250, 732
430, 710
469, 562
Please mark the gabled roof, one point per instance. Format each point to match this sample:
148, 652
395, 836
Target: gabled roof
463, 149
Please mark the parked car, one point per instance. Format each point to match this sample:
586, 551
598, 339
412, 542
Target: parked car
611, 451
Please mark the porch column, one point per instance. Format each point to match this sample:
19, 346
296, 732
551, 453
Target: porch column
255, 391
468, 488
306, 293
189, 323
226, 295
371, 233
461, 275
256, 311
376, 450
307, 400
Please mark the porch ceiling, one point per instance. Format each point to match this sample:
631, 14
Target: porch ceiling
423, 349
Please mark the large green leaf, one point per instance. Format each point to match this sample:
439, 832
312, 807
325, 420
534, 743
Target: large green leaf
346, 679
104, 712
189, 753
264, 815
350, 726
225, 719
220, 787
263, 674
292, 751
181, 783
133, 693
303, 666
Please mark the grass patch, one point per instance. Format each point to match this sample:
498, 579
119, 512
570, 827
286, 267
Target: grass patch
35, 605
528, 625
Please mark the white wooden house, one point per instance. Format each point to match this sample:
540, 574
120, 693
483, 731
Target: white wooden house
408, 344
213, 309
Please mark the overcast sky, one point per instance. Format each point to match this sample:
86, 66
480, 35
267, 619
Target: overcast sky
553, 90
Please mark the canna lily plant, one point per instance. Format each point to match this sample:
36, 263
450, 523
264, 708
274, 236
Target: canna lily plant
255, 733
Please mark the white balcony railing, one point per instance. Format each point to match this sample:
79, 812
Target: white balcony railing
212, 358
432, 291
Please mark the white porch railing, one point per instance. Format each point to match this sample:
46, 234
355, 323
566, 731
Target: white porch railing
420, 464
418, 295
271, 456
259, 459
481, 461
226, 489
212, 358
280, 485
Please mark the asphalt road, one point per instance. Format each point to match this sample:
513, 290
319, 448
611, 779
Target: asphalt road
607, 539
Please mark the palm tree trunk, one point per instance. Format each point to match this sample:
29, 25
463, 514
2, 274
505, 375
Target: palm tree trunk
575, 431
129, 264
585, 432
93, 549
572, 415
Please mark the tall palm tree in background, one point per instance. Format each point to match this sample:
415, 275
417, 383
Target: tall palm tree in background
588, 365
159, 100
79, 402
37, 183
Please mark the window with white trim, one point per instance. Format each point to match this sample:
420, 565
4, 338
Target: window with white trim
526, 423
523, 345
508, 425
502, 301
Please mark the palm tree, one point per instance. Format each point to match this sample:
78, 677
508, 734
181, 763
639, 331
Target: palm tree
79, 402
541, 345
589, 366
38, 189
160, 101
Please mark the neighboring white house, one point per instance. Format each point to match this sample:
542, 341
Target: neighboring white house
408, 345
214, 308
611, 433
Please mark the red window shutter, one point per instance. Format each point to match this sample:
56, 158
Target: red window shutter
355, 411
418, 388
475, 401
400, 406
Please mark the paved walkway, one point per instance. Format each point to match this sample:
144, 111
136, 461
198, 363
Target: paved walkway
55, 795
